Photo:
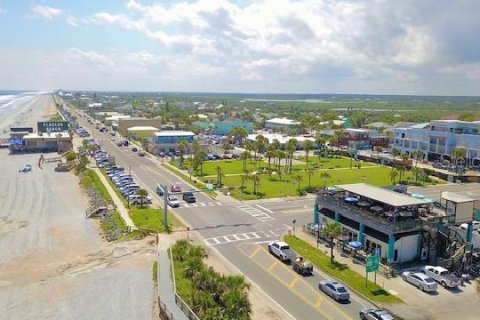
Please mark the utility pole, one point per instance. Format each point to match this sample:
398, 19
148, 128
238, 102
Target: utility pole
165, 206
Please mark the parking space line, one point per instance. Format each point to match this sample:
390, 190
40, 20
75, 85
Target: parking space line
255, 252
272, 266
294, 282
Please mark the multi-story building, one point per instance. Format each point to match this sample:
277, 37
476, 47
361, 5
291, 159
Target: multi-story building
385, 222
167, 141
362, 138
439, 138
280, 123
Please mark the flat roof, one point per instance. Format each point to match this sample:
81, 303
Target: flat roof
52, 135
455, 197
284, 121
177, 133
382, 195
281, 138
142, 128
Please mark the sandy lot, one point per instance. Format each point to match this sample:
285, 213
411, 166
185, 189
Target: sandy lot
53, 262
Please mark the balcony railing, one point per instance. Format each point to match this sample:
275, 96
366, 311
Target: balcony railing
366, 217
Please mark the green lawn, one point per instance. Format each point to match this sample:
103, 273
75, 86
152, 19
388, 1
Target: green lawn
327, 163
91, 181
341, 272
152, 219
228, 166
273, 187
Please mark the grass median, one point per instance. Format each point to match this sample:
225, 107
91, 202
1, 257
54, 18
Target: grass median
341, 272
152, 219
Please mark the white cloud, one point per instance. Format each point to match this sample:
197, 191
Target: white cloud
45, 12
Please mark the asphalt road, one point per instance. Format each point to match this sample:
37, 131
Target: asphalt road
239, 232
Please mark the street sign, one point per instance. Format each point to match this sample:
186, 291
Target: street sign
52, 126
372, 263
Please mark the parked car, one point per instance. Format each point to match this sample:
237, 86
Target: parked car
375, 314
173, 202
141, 153
335, 290
281, 250
162, 154
189, 197
26, 168
159, 190
136, 199
420, 280
175, 188
302, 266
475, 224
442, 276
134, 149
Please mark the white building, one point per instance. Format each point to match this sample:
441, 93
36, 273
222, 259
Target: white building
280, 123
439, 138
282, 138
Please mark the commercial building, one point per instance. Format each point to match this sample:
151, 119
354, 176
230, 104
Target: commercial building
222, 128
280, 123
25, 140
167, 141
439, 138
141, 131
125, 123
385, 222
362, 139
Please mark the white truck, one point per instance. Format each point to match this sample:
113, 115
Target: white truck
442, 276
281, 250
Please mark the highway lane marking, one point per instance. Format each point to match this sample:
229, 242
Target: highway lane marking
268, 210
272, 234
256, 213
302, 297
318, 303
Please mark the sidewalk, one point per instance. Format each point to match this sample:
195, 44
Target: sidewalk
116, 200
165, 283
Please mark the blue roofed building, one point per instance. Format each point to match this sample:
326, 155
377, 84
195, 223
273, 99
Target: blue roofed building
222, 128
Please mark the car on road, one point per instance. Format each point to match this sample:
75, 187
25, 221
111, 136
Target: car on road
442, 276
175, 188
475, 225
26, 168
141, 153
375, 314
162, 154
173, 202
281, 250
420, 280
189, 197
159, 190
335, 290
302, 266
134, 149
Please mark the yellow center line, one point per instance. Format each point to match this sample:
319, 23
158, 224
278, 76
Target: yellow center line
254, 253
319, 302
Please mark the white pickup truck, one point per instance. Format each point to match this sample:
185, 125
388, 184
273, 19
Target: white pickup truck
281, 250
442, 276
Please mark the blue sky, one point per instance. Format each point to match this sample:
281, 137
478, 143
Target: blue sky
276, 46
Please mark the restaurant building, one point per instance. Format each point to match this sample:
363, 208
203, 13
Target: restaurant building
384, 222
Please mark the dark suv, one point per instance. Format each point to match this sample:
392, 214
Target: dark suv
189, 197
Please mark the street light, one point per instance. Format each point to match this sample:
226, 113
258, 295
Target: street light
293, 223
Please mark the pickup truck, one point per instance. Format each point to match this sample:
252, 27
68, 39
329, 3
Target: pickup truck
281, 250
442, 276
302, 266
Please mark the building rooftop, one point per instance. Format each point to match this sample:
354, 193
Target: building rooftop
385, 196
51, 135
284, 121
455, 197
177, 133
281, 138
378, 125
142, 128
420, 125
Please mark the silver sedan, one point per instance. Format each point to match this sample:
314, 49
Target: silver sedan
420, 280
335, 290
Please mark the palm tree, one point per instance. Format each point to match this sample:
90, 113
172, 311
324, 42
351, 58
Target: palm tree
325, 176
71, 156
250, 146
226, 146
220, 175
395, 153
393, 175
238, 134
331, 231
299, 179
310, 173
320, 142
291, 147
182, 146
259, 145
404, 157
142, 193
307, 146
269, 154
243, 180
417, 154
244, 156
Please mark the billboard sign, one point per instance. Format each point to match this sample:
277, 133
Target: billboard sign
52, 126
